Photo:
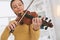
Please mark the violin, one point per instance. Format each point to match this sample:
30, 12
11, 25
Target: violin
27, 19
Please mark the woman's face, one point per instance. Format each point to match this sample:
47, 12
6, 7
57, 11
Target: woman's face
17, 6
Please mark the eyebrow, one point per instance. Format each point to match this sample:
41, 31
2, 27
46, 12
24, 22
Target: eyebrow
14, 6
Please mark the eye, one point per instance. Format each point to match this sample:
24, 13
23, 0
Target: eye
14, 7
19, 4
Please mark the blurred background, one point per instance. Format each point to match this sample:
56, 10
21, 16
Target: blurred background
46, 8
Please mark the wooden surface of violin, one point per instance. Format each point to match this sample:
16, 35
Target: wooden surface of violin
30, 15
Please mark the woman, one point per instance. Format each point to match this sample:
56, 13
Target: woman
22, 31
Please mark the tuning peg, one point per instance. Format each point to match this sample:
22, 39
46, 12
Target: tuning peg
46, 18
46, 28
50, 20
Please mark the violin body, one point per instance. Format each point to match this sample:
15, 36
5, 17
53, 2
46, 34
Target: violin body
27, 19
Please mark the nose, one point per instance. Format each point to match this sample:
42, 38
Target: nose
18, 7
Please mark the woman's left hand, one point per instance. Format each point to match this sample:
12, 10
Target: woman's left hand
37, 22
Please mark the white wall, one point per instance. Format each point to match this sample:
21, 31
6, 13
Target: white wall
55, 4
6, 14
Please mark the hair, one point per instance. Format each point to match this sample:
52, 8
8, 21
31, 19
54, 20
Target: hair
14, 0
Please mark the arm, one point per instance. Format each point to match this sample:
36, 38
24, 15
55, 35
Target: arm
35, 34
37, 22
35, 27
5, 34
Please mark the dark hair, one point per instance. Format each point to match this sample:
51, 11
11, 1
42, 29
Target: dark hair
14, 0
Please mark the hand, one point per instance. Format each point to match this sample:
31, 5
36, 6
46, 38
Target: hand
37, 22
12, 25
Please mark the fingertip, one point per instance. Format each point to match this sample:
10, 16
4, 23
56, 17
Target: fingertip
32, 19
15, 22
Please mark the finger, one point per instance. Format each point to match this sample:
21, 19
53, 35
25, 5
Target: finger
11, 27
15, 22
42, 18
33, 21
36, 20
40, 21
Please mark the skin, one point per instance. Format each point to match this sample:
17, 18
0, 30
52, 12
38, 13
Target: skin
18, 7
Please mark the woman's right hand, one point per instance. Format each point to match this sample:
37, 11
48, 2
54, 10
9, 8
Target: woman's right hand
12, 25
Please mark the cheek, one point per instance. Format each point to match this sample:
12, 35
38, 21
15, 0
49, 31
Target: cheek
15, 10
22, 8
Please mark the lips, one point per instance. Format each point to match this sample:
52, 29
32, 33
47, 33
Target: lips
19, 11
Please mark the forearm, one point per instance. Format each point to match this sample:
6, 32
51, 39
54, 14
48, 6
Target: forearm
35, 34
